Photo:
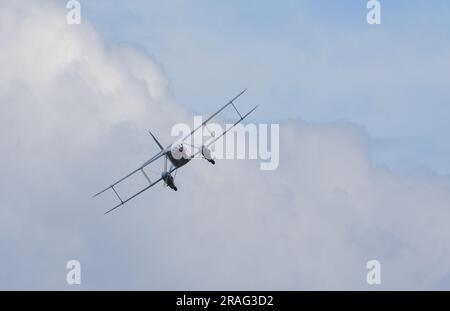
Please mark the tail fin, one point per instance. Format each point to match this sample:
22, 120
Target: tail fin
156, 141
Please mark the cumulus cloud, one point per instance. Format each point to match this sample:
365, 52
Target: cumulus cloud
73, 115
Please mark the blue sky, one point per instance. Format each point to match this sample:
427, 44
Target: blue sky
315, 60
74, 117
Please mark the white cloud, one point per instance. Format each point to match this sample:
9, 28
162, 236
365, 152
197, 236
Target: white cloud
73, 117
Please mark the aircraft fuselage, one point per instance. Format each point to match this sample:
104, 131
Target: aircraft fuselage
178, 155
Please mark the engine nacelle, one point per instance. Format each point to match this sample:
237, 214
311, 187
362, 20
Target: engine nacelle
169, 181
207, 155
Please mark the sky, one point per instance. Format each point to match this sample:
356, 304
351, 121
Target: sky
313, 60
363, 117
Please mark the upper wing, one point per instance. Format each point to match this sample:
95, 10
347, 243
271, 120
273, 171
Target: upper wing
228, 129
225, 132
137, 193
231, 102
140, 169
205, 123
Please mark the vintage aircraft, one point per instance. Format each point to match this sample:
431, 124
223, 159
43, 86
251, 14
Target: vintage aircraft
178, 156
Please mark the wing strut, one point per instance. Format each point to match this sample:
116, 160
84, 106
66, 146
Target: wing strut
146, 176
117, 194
237, 111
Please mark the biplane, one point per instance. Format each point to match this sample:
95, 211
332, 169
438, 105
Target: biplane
177, 154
